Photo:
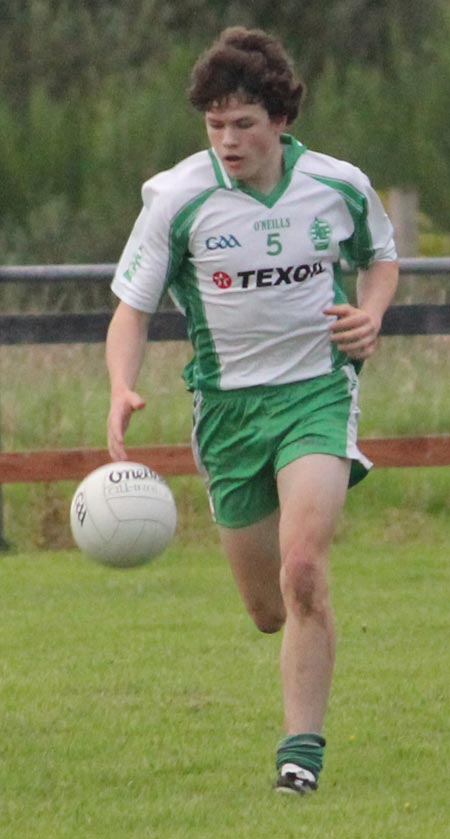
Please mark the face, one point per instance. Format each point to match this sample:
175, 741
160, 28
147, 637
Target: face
247, 141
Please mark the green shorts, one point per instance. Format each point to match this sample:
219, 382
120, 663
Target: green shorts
241, 438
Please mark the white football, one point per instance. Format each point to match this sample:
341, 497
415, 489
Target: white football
123, 514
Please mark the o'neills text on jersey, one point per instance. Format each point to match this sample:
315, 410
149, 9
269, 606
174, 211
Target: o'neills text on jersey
272, 224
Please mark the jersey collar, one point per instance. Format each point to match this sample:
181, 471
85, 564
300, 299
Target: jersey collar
292, 150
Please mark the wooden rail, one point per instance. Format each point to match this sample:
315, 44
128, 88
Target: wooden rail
74, 464
169, 325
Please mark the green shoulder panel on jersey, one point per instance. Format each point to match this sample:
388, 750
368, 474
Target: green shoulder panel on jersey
223, 178
358, 250
179, 233
183, 284
292, 150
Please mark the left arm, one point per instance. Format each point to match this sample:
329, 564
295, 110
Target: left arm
356, 328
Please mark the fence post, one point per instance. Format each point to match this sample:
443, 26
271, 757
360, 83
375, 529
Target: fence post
3, 543
404, 214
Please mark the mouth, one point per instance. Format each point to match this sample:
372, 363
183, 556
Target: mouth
232, 159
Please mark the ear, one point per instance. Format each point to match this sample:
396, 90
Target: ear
280, 122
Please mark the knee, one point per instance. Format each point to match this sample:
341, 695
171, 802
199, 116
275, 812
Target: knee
304, 583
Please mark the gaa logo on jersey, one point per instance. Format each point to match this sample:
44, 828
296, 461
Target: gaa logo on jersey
221, 242
222, 280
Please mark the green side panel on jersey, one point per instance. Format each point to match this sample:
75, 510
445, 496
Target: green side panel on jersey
203, 371
358, 250
183, 283
338, 357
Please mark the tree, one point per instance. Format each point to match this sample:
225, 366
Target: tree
344, 31
65, 46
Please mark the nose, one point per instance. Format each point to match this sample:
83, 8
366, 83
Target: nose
229, 137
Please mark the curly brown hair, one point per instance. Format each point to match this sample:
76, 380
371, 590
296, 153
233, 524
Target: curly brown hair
251, 64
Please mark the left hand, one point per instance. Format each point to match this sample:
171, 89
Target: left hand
354, 330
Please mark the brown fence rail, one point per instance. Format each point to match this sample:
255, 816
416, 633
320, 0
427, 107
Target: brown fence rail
74, 464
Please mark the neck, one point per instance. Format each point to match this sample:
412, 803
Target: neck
266, 180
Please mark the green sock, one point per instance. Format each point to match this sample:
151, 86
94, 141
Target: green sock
305, 750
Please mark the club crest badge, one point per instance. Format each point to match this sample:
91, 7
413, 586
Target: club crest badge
320, 234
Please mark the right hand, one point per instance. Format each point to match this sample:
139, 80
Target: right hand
119, 416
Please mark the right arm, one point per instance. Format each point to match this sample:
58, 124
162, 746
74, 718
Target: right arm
125, 349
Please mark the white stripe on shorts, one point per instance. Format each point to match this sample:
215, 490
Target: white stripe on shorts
352, 450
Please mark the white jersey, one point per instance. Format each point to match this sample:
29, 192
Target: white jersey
253, 273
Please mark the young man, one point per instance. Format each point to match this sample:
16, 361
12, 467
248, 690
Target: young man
247, 238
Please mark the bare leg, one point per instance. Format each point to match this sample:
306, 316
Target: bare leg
254, 557
312, 491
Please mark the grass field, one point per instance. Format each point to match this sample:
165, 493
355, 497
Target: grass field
143, 703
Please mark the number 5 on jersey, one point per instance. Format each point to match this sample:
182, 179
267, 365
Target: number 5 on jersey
274, 246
